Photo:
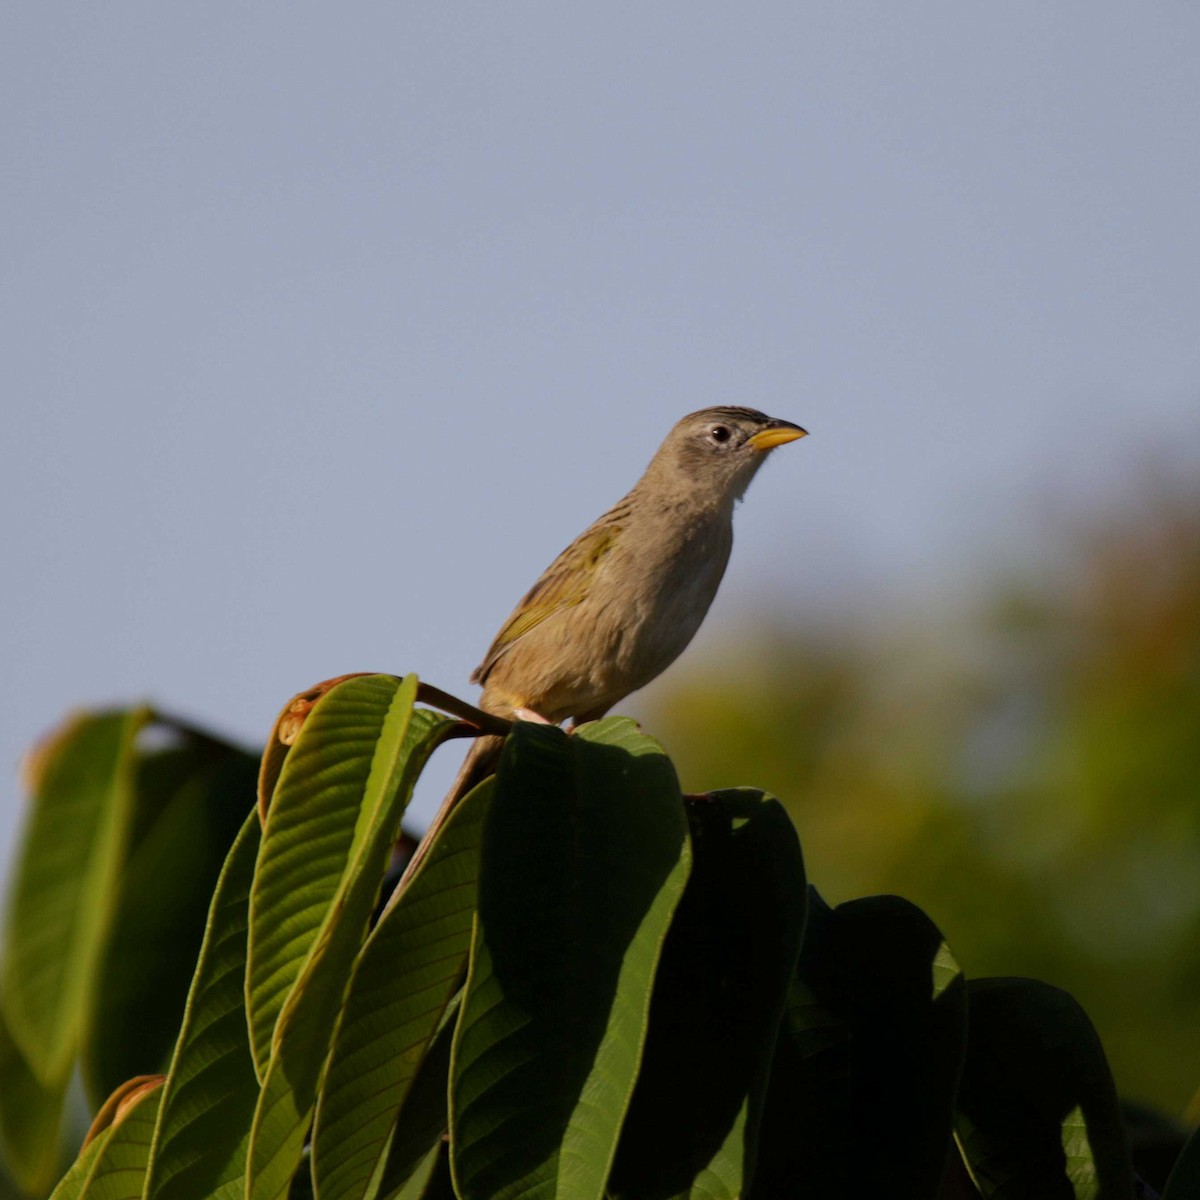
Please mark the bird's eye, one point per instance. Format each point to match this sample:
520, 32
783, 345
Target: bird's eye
720, 433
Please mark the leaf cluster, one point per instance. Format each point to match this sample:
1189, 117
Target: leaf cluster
590, 985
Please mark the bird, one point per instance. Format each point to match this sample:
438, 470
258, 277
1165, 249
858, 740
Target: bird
625, 598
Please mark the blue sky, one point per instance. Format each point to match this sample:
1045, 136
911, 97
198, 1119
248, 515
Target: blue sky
324, 329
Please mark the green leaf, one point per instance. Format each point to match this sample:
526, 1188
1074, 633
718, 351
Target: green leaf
113, 1167
30, 1115
404, 740
208, 1100
1184, 1180
191, 800
324, 813
805, 1137
718, 998
585, 857
1037, 1109
861, 1095
317, 813
65, 886
407, 974
424, 1118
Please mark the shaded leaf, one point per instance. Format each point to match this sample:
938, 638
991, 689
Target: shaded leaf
424, 1119
211, 1090
861, 1095
807, 1122
30, 1115
1155, 1142
585, 856
719, 994
1037, 1112
64, 889
1184, 1181
194, 799
432, 1181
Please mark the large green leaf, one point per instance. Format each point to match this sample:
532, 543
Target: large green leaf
404, 740
191, 800
409, 970
585, 857
805, 1140
1037, 1110
30, 1114
113, 1167
718, 998
861, 1095
208, 1101
65, 885
318, 817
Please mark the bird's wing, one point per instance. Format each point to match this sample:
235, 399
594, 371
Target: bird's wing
564, 583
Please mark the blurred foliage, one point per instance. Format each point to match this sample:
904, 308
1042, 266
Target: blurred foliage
1026, 769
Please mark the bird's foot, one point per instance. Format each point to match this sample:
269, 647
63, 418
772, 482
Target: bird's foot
527, 714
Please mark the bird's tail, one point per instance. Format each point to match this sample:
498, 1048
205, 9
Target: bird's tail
479, 763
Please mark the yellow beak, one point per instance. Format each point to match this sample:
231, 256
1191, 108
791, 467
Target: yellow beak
775, 435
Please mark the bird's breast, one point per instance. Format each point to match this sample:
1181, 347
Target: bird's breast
670, 587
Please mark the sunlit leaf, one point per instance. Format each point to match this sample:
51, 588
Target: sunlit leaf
318, 816
404, 738
71, 1185
409, 970
116, 1158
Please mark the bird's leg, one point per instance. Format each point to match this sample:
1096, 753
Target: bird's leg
592, 714
527, 714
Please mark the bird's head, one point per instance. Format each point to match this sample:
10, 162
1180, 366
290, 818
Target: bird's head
719, 449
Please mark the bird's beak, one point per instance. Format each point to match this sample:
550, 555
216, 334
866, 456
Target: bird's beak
775, 433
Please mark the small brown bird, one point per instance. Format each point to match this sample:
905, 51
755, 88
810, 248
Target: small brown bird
624, 599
